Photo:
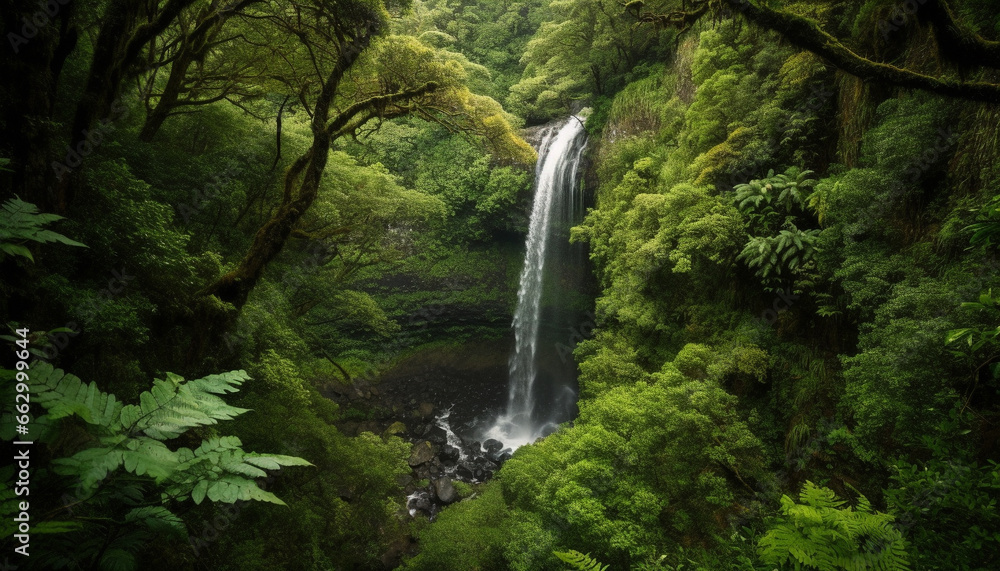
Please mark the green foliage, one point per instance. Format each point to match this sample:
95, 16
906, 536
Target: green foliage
902, 382
790, 250
948, 500
765, 201
976, 339
585, 47
580, 561
819, 533
21, 222
467, 535
645, 467
283, 376
126, 482
689, 404
986, 229
464, 490
778, 201
132, 436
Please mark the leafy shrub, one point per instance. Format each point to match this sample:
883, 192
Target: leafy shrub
819, 533
122, 469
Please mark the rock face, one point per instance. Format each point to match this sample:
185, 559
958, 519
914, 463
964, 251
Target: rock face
436, 435
425, 410
449, 455
492, 446
421, 453
445, 490
496, 455
395, 429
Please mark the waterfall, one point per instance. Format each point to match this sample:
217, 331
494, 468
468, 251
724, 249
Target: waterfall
536, 405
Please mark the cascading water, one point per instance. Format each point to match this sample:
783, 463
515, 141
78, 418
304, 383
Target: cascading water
542, 390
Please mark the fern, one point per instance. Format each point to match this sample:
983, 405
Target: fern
158, 519
64, 395
791, 250
169, 409
973, 338
220, 470
132, 436
174, 406
820, 533
580, 561
761, 199
986, 230
21, 222
133, 439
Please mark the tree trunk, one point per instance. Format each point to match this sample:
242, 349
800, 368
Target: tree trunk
26, 103
806, 34
119, 42
168, 99
301, 186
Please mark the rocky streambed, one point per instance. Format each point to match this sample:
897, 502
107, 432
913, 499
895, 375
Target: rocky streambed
439, 399
440, 458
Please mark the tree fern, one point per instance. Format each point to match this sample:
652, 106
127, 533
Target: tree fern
773, 256
819, 533
580, 561
21, 222
132, 439
220, 470
132, 436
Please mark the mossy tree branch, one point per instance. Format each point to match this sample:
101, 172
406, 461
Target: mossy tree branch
808, 35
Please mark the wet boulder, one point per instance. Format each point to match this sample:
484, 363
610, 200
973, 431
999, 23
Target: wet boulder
492, 446
419, 501
483, 469
495, 455
473, 449
445, 491
465, 471
425, 410
436, 435
449, 455
421, 453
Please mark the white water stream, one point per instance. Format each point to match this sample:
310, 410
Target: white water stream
557, 200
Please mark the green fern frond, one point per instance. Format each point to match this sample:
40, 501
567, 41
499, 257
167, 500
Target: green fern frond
174, 406
130, 437
21, 222
158, 519
580, 561
820, 533
220, 470
62, 395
